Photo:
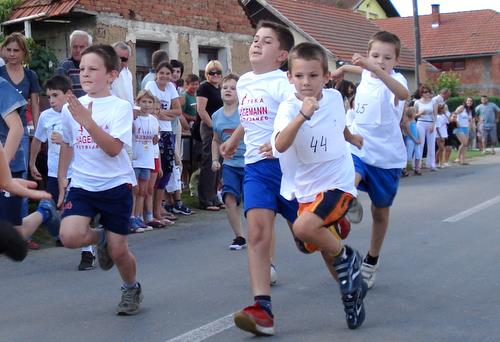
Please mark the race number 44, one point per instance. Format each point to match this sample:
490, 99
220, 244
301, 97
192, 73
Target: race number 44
318, 144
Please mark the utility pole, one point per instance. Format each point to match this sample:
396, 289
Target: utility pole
416, 31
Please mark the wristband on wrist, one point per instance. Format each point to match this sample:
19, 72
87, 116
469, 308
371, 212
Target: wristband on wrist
305, 116
215, 160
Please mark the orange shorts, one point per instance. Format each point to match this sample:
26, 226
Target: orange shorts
331, 206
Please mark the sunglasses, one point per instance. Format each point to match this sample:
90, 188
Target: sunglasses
215, 72
124, 59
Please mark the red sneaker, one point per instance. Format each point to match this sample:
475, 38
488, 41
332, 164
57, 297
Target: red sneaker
32, 245
256, 320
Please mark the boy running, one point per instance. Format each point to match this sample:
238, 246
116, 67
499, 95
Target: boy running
379, 103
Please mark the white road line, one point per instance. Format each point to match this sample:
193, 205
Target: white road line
473, 210
206, 331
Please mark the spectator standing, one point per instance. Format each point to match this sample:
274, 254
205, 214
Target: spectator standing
70, 67
156, 58
123, 85
488, 119
426, 124
464, 117
208, 100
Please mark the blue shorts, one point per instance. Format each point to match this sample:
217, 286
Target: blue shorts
261, 187
380, 184
10, 207
142, 173
463, 130
114, 205
232, 182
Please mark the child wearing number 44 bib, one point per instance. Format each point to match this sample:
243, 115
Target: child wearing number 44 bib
310, 132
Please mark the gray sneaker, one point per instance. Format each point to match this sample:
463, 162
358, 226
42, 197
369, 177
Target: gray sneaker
105, 261
131, 299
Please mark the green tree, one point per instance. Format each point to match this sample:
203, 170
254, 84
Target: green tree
450, 80
6, 7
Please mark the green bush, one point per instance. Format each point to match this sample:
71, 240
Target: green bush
43, 62
450, 80
454, 102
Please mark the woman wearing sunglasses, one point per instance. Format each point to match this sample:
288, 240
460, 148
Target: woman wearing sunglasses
208, 100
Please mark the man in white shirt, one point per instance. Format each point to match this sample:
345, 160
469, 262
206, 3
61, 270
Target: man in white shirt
123, 85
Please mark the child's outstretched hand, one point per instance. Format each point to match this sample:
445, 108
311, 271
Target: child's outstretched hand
309, 105
25, 188
56, 138
81, 114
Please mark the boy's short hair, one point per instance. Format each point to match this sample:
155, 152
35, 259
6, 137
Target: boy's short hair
192, 78
230, 77
57, 82
386, 37
309, 52
107, 53
164, 64
157, 57
285, 37
145, 93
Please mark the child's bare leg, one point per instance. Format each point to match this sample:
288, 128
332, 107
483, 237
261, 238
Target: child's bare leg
30, 224
260, 230
75, 232
123, 259
233, 214
379, 229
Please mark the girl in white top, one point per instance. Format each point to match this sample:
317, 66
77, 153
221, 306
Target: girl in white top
442, 134
165, 91
426, 125
96, 129
145, 136
464, 116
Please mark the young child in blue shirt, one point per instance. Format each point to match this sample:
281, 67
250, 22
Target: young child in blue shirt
224, 122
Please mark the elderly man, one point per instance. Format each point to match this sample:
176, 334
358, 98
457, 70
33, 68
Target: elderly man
70, 67
123, 86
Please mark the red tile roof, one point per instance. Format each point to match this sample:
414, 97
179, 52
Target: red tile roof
50, 7
341, 31
459, 33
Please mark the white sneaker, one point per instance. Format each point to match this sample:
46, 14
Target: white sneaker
274, 275
369, 273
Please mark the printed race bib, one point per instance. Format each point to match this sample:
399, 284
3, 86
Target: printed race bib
323, 143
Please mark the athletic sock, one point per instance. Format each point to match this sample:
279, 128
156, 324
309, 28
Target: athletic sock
149, 216
371, 259
130, 286
342, 255
265, 303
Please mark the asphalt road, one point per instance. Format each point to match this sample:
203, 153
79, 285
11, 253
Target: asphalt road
438, 279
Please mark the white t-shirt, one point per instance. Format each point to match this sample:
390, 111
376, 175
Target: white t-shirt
463, 119
442, 125
427, 109
259, 96
93, 169
377, 119
50, 122
165, 96
318, 160
123, 86
145, 129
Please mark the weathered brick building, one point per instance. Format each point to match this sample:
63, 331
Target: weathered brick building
191, 31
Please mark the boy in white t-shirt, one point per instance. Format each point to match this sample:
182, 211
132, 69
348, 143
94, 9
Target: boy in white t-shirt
49, 129
379, 103
260, 92
309, 128
96, 129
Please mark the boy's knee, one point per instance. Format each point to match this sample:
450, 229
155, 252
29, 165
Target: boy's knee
70, 239
118, 252
301, 231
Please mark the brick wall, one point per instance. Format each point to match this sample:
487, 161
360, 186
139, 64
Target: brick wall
211, 15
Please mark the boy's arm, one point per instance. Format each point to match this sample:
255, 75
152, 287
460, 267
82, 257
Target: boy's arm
397, 88
18, 186
34, 149
65, 158
14, 136
339, 72
228, 148
354, 139
110, 145
284, 138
